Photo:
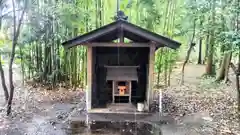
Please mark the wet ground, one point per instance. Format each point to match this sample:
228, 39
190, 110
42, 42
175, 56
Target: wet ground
54, 120
37, 111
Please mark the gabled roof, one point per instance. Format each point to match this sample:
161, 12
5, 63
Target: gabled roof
113, 30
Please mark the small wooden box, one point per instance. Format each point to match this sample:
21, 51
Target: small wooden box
122, 90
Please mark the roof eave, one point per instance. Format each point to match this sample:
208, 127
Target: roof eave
88, 37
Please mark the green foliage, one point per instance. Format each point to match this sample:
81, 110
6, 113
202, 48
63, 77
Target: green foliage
232, 38
48, 23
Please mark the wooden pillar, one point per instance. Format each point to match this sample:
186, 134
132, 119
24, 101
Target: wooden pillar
89, 79
151, 74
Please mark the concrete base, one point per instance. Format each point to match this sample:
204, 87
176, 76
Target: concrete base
122, 117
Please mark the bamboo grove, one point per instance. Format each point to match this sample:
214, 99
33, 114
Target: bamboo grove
211, 25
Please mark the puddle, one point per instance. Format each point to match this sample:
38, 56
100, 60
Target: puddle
111, 128
46, 126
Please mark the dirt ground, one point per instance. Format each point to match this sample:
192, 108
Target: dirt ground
203, 104
200, 106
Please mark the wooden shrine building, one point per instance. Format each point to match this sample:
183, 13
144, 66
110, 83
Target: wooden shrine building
120, 64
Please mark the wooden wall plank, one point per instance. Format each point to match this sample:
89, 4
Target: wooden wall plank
118, 44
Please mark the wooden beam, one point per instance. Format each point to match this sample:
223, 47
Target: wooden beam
106, 66
89, 79
151, 75
118, 44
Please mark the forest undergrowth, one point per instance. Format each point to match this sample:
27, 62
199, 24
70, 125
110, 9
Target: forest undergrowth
203, 101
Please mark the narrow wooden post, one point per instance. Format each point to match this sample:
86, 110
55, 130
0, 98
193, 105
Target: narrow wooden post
89, 79
113, 91
130, 91
151, 75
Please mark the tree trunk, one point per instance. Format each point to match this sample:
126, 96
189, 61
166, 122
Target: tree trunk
191, 45
227, 67
4, 86
237, 73
200, 42
238, 89
22, 65
16, 32
237, 81
11, 86
206, 48
3, 81
238, 70
200, 51
185, 62
210, 65
223, 72
239, 59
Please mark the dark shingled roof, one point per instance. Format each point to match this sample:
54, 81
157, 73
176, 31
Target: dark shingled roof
112, 31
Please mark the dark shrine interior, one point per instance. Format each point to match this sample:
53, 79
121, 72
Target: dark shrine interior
118, 56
